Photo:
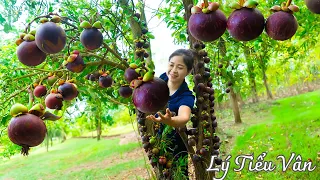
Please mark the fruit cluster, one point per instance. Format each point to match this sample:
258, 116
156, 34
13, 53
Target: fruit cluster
150, 94
105, 80
207, 23
203, 119
154, 147
49, 38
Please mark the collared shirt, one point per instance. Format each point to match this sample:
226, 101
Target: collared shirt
183, 96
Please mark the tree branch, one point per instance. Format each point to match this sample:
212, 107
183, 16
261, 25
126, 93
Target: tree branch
67, 23
38, 69
115, 101
28, 75
116, 54
29, 24
103, 61
31, 98
14, 94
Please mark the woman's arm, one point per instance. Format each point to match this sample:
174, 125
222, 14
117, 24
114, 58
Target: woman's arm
181, 120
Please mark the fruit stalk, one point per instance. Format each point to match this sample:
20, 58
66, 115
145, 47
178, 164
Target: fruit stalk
241, 2
288, 3
71, 40
27, 29
206, 4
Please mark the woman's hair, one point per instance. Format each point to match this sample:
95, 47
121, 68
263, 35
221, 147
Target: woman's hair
187, 56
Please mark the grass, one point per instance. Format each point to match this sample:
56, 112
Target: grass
74, 159
113, 130
293, 126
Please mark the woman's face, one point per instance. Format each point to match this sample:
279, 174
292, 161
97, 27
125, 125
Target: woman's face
177, 69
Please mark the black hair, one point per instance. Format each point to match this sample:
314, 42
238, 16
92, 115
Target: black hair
187, 56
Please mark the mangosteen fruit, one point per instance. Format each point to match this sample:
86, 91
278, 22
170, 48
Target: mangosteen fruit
91, 38
54, 101
27, 131
281, 25
125, 91
130, 74
105, 81
151, 96
40, 91
191, 142
29, 54
218, 161
245, 24
313, 5
50, 38
75, 62
207, 26
68, 91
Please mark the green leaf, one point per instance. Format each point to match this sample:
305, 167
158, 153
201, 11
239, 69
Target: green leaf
150, 36
220, 98
2, 19
7, 28
183, 37
5, 119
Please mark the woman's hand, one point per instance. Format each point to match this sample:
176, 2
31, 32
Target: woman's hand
162, 118
171, 119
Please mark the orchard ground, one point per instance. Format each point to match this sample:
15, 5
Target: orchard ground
276, 127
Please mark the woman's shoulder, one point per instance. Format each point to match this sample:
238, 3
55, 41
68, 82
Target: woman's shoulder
163, 76
185, 93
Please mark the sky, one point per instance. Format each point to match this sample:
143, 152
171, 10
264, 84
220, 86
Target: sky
162, 46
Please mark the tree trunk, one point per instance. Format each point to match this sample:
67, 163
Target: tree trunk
251, 75
254, 90
240, 100
235, 106
201, 166
98, 129
136, 33
234, 100
149, 59
47, 144
269, 94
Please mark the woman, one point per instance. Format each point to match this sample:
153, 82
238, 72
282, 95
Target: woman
181, 100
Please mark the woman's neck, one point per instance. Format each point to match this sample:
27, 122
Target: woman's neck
173, 87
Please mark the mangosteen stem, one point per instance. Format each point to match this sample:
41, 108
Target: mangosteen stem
288, 3
242, 2
27, 29
206, 4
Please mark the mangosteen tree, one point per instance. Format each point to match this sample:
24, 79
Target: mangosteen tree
66, 72
53, 72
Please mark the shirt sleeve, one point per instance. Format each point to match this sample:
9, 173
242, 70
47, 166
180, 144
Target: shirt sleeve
187, 101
